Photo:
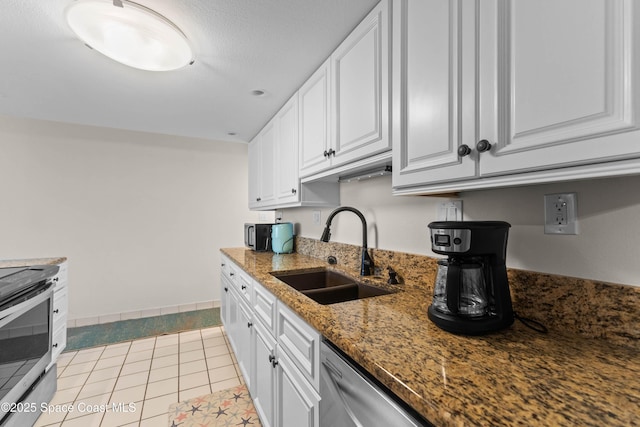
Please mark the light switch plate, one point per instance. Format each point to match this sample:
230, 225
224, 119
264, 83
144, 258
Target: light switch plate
560, 213
451, 210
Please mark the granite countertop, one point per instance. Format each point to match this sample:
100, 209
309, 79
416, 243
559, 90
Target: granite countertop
513, 377
32, 261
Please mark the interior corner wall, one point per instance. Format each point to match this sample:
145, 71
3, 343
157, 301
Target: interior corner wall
607, 247
141, 217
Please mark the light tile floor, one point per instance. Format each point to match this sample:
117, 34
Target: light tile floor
134, 382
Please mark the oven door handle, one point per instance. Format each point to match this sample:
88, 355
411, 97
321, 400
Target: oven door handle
11, 313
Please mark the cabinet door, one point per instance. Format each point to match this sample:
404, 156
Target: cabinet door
253, 160
566, 86
224, 301
233, 319
434, 90
360, 89
313, 98
244, 335
264, 381
286, 153
267, 163
297, 401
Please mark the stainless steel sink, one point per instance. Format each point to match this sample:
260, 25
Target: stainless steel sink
328, 286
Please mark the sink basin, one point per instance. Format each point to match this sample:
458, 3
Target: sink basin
307, 280
328, 286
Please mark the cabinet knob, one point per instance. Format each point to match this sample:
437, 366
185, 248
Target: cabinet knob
271, 358
274, 363
331, 152
243, 287
483, 145
226, 289
258, 199
55, 345
326, 153
294, 191
464, 150
56, 311
249, 324
232, 274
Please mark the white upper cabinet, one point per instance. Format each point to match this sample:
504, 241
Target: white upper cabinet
360, 89
286, 153
253, 161
565, 83
314, 98
434, 92
344, 105
261, 159
273, 166
538, 91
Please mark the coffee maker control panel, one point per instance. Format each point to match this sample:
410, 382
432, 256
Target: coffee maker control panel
451, 240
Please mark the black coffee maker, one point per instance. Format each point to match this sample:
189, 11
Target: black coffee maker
471, 294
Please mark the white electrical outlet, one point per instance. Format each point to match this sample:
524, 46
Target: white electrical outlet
560, 213
451, 210
316, 217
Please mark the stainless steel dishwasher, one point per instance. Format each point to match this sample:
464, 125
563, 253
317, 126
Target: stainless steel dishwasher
350, 399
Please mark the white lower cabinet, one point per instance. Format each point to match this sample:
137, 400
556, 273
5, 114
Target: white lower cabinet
264, 383
277, 352
296, 400
60, 309
245, 342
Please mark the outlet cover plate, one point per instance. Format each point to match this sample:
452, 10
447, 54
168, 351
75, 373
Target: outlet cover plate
561, 213
451, 210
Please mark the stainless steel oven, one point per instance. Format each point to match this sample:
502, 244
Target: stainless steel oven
26, 298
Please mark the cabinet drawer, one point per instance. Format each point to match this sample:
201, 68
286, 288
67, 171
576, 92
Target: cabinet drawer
244, 285
264, 307
301, 343
224, 265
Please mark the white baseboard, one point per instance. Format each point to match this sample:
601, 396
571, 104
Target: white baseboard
140, 314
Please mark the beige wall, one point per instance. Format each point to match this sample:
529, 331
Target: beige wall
140, 216
607, 248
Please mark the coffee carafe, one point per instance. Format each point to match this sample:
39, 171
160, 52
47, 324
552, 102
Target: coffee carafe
471, 293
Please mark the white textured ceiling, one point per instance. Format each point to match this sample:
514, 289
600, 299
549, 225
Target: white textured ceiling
240, 45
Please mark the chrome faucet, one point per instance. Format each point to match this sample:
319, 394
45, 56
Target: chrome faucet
366, 266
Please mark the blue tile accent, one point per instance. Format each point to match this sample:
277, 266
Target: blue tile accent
126, 330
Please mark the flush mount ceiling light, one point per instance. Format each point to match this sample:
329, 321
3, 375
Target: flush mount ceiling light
130, 33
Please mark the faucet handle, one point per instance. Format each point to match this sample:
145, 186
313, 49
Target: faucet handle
393, 279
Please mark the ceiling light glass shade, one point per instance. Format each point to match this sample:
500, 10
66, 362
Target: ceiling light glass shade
132, 34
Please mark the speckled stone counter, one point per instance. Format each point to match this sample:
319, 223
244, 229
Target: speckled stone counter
513, 377
32, 261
